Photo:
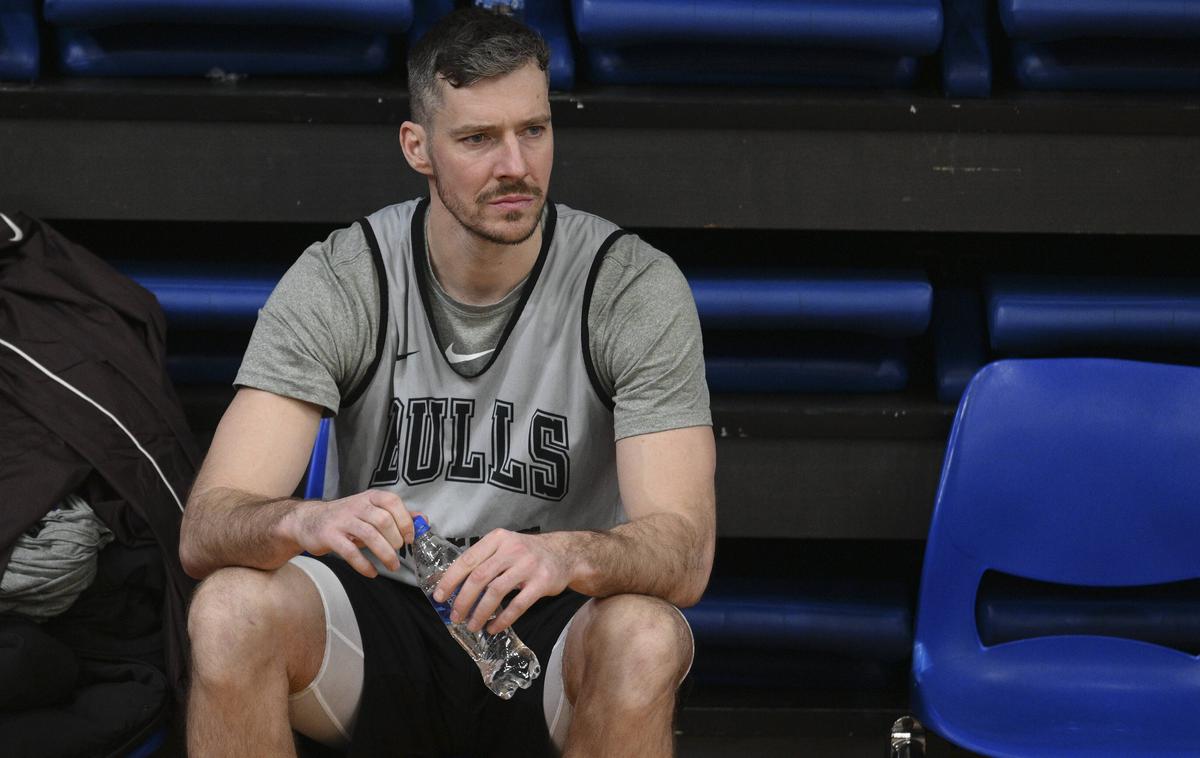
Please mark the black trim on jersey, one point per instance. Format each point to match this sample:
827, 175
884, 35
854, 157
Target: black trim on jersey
421, 266
381, 276
587, 304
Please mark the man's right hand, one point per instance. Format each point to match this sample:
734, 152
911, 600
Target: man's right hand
373, 519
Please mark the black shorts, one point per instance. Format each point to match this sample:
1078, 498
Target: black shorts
423, 695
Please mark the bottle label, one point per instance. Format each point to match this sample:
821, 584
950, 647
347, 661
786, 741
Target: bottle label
443, 609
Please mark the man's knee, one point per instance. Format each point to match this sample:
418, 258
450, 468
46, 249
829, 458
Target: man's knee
238, 621
640, 641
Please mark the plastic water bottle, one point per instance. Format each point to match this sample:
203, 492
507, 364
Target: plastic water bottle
908, 738
504, 661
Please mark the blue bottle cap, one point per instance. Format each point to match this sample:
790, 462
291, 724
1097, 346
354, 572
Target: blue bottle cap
421, 525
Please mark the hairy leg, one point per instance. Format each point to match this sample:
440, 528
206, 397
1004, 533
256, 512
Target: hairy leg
257, 636
625, 656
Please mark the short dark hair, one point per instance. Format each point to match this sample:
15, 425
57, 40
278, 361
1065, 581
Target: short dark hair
467, 45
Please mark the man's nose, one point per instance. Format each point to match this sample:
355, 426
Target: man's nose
510, 162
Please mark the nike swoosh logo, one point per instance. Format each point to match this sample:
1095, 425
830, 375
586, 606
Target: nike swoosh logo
454, 357
402, 356
18, 235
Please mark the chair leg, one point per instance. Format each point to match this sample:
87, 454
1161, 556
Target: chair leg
908, 738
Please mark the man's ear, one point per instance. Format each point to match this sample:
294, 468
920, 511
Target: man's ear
415, 144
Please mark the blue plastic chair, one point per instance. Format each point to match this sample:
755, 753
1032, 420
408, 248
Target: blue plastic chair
314, 481
1072, 471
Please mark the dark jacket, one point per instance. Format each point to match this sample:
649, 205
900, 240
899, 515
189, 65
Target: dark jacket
95, 329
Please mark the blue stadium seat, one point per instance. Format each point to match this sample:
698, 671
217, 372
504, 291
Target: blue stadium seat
879, 303
1104, 44
19, 47
262, 37
909, 27
355, 15
1029, 315
789, 332
204, 297
1052, 20
837, 617
1075, 472
798, 363
1123, 64
869, 43
732, 65
169, 50
314, 479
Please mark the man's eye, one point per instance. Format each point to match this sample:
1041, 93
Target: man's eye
474, 139
535, 131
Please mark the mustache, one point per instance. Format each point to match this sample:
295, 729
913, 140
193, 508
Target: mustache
513, 188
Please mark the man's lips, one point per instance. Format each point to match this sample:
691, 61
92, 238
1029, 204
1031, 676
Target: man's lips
511, 202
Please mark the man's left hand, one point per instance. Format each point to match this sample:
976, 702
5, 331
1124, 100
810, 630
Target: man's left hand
535, 564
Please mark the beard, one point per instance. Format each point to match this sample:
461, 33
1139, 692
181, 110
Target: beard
469, 215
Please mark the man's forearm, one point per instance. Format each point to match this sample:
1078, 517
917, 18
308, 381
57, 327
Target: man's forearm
664, 554
226, 527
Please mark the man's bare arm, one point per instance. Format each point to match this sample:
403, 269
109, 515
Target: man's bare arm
665, 550
241, 513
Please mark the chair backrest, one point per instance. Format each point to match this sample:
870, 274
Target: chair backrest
1073, 471
314, 483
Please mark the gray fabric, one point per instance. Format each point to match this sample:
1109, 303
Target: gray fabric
468, 328
522, 442
49, 570
316, 337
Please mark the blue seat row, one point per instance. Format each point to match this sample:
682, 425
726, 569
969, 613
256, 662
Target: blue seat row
872, 314
262, 37
225, 37
885, 304
792, 332
20, 50
1053, 44
378, 15
870, 43
1075, 45
1018, 315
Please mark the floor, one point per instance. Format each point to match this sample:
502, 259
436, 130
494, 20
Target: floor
757, 730
758, 733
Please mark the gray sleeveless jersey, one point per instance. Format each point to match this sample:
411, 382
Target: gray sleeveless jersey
526, 443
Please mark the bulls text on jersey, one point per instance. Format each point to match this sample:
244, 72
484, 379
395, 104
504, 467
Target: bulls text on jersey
414, 449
